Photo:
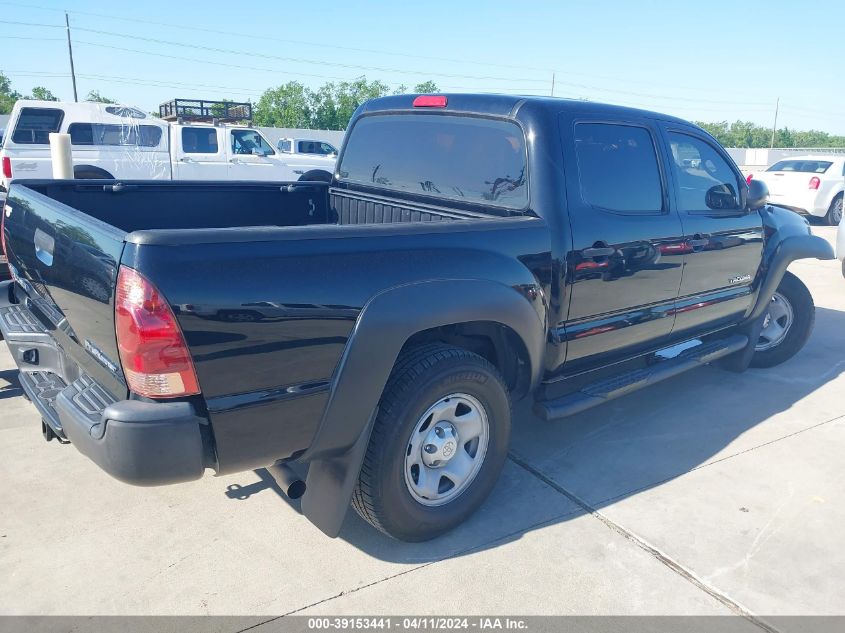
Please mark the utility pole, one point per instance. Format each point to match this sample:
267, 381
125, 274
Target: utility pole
70, 54
553, 84
775, 124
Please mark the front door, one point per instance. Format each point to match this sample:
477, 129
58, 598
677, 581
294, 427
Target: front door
724, 241
624, 268
252, 158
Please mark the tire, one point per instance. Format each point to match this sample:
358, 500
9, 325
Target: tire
793, 296
86, 172
316, 175
834, 213
387, 493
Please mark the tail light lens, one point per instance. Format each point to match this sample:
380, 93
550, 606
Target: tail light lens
7, 167
153, 353
814, 182
749, 178
430, 101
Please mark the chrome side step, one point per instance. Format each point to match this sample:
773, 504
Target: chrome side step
601, 391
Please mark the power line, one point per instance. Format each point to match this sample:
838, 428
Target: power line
395, 53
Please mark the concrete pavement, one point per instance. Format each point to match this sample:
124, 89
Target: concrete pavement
712, 493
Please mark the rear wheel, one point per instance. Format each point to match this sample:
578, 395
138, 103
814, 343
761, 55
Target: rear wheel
787, 323
316, 175
438, 444
834, 213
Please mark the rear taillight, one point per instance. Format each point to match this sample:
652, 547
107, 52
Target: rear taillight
814, 182
749, 178
7, 167
153, 352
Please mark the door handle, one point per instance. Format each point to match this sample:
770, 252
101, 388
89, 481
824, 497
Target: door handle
234, 160
598, 251
186, 159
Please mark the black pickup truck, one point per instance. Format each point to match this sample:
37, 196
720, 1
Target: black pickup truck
470, 250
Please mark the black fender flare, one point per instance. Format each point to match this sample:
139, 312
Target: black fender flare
96, 173
387, 321
787, 251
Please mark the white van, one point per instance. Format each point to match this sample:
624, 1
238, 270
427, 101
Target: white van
115, 141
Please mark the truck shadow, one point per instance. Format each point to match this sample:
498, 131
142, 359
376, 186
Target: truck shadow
621, 448
10, 386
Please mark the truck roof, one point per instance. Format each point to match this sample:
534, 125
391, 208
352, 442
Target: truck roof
508, 105
88, 111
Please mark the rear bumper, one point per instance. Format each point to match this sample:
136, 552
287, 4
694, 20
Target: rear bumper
141, 443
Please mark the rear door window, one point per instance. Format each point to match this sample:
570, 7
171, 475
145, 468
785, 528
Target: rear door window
617, 168
199, 140
35, 124
470, 159
114, 134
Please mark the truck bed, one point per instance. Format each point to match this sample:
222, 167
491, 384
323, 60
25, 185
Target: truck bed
132, 206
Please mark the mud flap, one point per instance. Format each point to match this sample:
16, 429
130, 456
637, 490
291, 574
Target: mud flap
330, 483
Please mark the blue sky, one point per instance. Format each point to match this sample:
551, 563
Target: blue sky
708, 60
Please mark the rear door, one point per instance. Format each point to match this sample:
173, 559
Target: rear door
625, 266
199, 153
723, 241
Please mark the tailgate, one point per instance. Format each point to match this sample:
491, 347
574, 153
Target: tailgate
66, 262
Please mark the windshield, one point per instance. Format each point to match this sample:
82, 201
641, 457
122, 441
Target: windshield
805, 166
465, 158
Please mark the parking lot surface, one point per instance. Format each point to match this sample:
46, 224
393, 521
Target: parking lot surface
711, 493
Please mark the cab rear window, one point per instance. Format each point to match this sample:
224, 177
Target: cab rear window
35, 124
470, 159
804, 166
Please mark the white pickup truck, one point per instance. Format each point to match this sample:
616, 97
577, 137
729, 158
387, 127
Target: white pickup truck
115, 141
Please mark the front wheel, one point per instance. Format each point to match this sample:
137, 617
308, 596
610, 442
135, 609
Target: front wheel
438, 444
787, 323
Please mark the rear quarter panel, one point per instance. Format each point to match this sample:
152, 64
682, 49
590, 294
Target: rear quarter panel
267, 321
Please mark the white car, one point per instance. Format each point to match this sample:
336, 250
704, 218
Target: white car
810, 185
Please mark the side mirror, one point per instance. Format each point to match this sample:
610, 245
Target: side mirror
757, 196
721, 198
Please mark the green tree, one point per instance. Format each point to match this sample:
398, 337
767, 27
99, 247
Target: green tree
323, 108
351, 94
426, 87
96, 97
285, 106
7, 95
41, 93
